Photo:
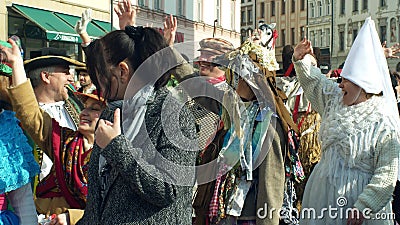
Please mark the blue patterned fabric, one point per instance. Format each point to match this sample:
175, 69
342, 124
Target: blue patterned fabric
17, 164
8, 218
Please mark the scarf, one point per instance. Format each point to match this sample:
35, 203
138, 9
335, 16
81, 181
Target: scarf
69, 179
354, 125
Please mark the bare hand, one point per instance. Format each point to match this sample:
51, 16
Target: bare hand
61, 219
107, 131
303, 48
125, 13
170, 27
355, 217
10, 55
391, 51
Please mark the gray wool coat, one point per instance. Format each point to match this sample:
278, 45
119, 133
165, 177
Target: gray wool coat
134, 192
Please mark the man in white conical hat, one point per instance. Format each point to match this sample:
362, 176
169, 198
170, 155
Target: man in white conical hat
360, 135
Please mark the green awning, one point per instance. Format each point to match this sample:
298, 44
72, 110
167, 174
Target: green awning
55, 28
92, 29
59, 26
104, 25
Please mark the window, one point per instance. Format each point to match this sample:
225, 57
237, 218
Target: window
365, 5
233, 13
199, 10
302, 5
312, 10
328, 7
293, 5
355, 5
355, 32
283, 7
312, 38
262, 14
328, 37
250, 16
293, 36
302, 32
218, 12
382, 30
243, 35
341, 40
283, 34
342, 7
181, 7
141, 2
319, 9
272, 8
321, 38
243, 18
242, 1
382, 3
157, 4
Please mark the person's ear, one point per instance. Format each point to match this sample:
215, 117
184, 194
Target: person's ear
125, 72
44, 76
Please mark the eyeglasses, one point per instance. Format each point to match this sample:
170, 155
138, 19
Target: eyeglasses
66, 72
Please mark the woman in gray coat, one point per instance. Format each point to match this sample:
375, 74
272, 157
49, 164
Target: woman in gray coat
143, 174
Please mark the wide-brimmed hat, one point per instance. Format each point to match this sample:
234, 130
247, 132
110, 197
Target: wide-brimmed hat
81, 69
84, 97
50, 57
217, 46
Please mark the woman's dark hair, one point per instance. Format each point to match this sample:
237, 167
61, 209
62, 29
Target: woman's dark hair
135, 44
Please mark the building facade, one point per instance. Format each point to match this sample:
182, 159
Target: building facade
50, 23
197, 19
247, 18
290, 17
320, 26
349, 17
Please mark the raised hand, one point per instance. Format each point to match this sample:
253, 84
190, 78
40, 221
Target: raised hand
303, 48
10, 55
126, 14
106, 131
81, 25
170, 27
391, 51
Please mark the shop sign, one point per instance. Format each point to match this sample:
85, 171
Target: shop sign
62, 37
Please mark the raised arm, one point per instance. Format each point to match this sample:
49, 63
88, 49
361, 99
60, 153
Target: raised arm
126, 14
316, 86
35, 121
170, 27
390, 52
81, 26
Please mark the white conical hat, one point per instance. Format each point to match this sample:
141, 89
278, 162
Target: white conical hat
366, 64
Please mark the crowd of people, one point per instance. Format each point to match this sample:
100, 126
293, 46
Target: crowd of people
145, 137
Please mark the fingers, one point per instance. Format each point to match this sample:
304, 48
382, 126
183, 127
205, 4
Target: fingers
117, 119
128, 6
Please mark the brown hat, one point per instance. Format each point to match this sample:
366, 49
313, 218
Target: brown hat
81, 69
49, 57
84, 97
217, 46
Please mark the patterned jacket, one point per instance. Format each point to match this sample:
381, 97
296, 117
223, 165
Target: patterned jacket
133, 194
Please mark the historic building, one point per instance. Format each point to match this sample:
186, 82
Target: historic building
349, 16
290, 17
50, 23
